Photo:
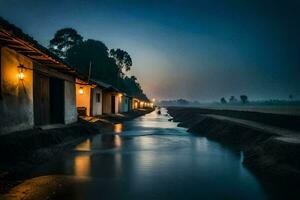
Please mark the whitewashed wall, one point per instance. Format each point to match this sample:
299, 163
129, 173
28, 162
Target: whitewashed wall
97, 106
70, 102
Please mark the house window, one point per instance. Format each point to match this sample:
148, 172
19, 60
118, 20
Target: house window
98, 97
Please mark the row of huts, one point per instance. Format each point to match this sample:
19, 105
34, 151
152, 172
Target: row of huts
38, 88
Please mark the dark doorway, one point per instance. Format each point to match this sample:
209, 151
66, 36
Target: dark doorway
57, 108
48, 99
113, 106
41, 99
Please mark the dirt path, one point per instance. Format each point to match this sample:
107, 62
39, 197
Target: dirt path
287, 135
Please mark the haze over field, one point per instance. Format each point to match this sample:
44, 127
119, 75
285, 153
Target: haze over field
198, 50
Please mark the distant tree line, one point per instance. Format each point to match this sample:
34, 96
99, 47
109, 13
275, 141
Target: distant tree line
233, 100
178, 102
109, 66
244, 100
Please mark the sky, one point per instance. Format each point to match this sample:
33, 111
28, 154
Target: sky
198, 50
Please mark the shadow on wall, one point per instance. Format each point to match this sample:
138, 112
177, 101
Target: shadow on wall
16, 104
18, 110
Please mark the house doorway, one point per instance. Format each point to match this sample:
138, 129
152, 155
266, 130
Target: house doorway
113, 104
57, 105
41, 99
48, 99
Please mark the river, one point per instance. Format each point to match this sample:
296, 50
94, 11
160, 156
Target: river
150, 158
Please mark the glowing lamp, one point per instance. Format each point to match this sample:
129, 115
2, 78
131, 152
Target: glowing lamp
80, 90
21, 74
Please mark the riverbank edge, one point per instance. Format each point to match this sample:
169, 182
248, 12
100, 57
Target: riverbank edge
23, 150
266, 154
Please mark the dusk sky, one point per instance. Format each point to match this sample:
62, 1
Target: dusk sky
198, 50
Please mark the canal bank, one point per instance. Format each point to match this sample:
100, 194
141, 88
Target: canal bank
269, 151
23, 151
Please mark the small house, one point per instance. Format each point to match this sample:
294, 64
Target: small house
37, 87
83, 97
124, 103
111, 100
89, 97
135, 103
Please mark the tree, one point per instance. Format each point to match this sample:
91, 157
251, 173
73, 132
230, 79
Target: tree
244, 99
106, 66
63, 40
123, 60
132, 87
95, 52
223, 100
233, 99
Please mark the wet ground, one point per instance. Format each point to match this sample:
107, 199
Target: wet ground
146, 158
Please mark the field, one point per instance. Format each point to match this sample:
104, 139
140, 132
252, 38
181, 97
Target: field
275, 109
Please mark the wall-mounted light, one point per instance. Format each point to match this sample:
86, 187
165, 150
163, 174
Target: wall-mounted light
81, 90
120, 97
21, 74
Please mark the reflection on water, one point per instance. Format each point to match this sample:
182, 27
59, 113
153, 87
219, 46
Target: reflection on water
154, 159
84, 146
117, 141
82, 161
82, 164
118, 128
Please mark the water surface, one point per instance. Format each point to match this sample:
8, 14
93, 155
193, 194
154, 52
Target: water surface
151, 158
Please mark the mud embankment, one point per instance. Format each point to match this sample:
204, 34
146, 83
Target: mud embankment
266, 153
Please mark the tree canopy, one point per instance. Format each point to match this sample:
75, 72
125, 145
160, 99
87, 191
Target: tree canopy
244, 99
63, 40
106, 65
123, 60
223, 100
95, 53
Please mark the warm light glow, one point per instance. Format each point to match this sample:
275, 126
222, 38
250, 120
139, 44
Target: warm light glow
118, 141
21, 74
135, 105
82, 165
118, 128
84, 146
120, 97
153, 100
80, 90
